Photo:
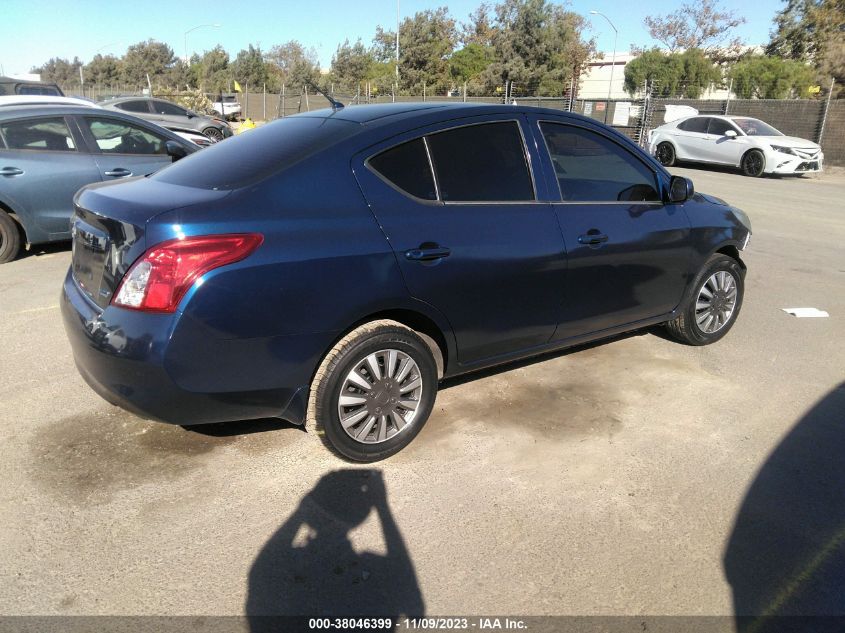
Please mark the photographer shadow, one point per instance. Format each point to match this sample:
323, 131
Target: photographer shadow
785, 560
309, 566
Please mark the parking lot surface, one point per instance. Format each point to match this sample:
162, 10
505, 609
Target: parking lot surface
634, 476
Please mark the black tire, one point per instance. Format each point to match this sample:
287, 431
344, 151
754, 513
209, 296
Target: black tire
213, 133
686, 328
665, 154
10, 238
323, 405
753, 163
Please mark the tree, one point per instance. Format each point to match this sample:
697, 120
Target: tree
211, 72
293, 64
249, 67
103, 70
812, 31
702, 25
479, 29
352, 64
686, 74
146, 58
426, 40
764, 77
469, 62
60, 71
538, 45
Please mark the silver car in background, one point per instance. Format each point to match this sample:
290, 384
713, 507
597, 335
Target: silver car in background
737, 141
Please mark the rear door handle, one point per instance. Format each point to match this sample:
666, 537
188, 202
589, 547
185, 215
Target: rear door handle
11, 171
118, 171
591, 239
427, 254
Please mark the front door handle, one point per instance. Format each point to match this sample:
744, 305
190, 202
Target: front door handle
11, 171
427, 254
119, 172
592, 239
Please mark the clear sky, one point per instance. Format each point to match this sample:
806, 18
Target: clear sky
35, 30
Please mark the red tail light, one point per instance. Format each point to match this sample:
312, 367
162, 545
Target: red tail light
161, 277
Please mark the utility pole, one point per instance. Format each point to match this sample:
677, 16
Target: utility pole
612, 63
397, 42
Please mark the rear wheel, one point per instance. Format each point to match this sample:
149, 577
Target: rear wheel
713, 305
665, 154
373, 391
213, 133
10, 238
753, 163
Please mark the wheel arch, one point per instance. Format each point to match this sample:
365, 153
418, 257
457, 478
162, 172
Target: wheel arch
425, 325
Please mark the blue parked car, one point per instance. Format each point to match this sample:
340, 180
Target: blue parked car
47, 152
333, 267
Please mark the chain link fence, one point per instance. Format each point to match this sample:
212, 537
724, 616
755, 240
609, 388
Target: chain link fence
821, 120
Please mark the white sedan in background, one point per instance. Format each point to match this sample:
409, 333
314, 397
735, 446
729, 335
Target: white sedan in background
750, 144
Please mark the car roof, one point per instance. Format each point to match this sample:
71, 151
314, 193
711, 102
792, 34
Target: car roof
389, 113
129, 98
38, 109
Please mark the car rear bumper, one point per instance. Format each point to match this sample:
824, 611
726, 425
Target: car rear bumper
123, 355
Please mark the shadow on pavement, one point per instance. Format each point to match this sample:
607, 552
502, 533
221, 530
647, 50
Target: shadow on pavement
786, 555
309, 567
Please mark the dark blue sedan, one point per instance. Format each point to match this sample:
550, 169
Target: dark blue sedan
334, 266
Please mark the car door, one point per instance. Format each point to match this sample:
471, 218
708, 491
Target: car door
170, 115
627, 252
723, 149
470, 233
124, 148
691, 138
42, 165
138, 107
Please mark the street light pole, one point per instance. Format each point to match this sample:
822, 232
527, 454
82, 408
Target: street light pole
199, 26
397, 44
612, 63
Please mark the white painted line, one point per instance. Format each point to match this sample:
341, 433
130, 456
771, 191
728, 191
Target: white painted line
806, 313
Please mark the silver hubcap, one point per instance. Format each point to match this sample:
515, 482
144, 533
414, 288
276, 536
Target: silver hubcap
716, 302
380, 396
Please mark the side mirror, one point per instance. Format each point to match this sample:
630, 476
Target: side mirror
680, 189
175, 150
730, 133
191, 115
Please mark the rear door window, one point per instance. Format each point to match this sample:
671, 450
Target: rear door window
134, 106
46, 134
696, 124
406, 167
592, 168
481, 163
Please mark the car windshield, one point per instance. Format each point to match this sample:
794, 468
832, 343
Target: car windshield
257, 154
755, 127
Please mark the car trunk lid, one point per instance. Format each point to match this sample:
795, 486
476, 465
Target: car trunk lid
109, 226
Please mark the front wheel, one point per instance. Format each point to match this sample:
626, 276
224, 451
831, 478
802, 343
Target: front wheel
714, 304
753, 163
373, 391
665, 154
213, 133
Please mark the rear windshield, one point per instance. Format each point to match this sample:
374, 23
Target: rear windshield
256, 154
